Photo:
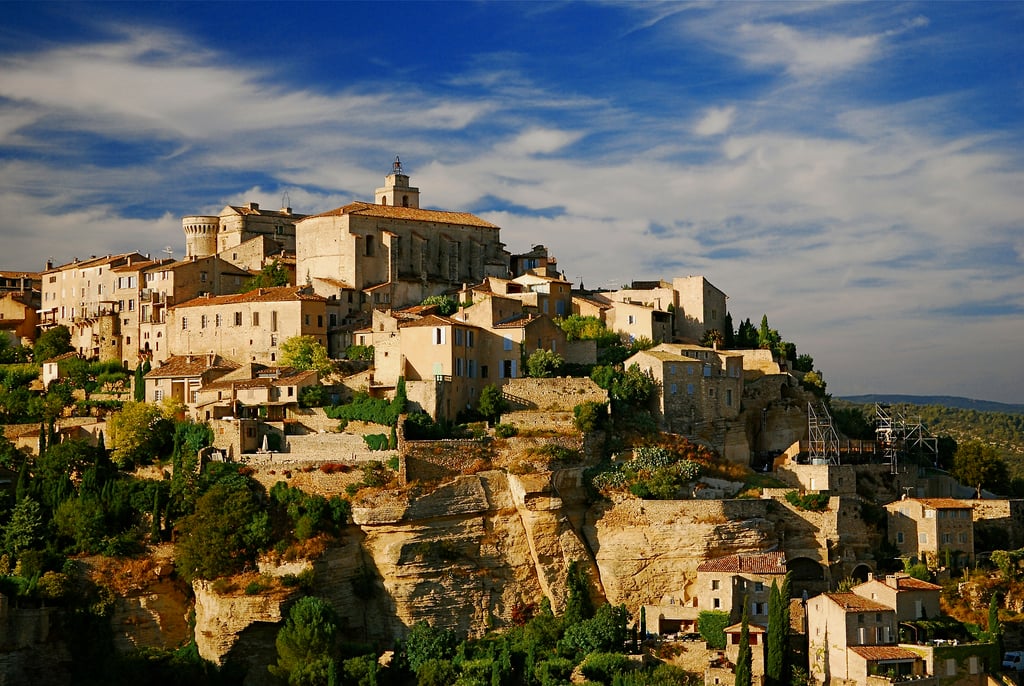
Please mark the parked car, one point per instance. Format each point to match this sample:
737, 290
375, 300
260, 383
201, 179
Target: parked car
1014, 661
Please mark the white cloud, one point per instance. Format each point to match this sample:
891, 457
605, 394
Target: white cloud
804, 53
715, 121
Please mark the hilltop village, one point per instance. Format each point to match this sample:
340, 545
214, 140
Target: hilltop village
537, 429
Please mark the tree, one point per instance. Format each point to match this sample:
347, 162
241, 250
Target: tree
139, 385
218, 538
578, 606
306, 642
994, 630
729, 332
746, 335
634, 386
446, 304
744, 660
777, 635
271, 275
137, 433
803, 363
491, 404
605, 631
427, 643
767, 337
25, 528
712, 338
979, 466
544, 364
51, 343
305, 352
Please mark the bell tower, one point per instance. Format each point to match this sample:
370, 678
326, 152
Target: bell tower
397, 191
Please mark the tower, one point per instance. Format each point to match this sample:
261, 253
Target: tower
200, 235
396, 190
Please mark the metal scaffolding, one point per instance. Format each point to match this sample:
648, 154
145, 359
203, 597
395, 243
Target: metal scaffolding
899, 436
822, 439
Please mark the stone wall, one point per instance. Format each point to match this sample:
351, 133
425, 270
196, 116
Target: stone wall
444, 459
1000, 520
540, 421
580, 352
559, 394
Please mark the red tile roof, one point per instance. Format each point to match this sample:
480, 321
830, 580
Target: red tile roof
278, 294
753, 563
409, 213
190, 365
245, 209
909, 583
873, 653
851, 602
434, 320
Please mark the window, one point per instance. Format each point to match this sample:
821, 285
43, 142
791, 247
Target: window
439, 335
458, 366
369, 246
458, 337
899, 537
689, 389
319, 321
759, 587
158, 395
929, 514
184, 323
131, 305
273, 320
203, 319
963, 537
307, 320
923, 538
689, 370
471, 369
947, 538
860, 618
630, 319
674, 389
507, 343
483, 371
715, 584
202, 277
332, 319
273, 340
218, 319
255, 318
728, 397
716, 603
469, 339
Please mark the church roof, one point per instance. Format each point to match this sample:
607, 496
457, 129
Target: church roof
365, 209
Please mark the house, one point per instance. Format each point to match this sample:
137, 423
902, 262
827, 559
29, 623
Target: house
246, 327
253, 391
535, 261
18, 317
939, 531
851, 637
911, 598
180, 377
694, 385
725, 583
393, 252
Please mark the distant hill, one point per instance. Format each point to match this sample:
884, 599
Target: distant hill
943, 400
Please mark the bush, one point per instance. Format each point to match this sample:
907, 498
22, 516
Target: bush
505, 430
711, 625
359, 352
544, 364
815, 502
376, 441
590, 415
603, 667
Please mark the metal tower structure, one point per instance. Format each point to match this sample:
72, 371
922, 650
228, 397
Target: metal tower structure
822, 439
898, 436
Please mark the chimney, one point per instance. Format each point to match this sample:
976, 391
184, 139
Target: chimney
254, 206
49, 265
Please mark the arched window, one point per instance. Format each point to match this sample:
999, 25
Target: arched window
383, 201
405, 201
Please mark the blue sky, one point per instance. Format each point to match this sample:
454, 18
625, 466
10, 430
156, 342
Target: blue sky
854, 170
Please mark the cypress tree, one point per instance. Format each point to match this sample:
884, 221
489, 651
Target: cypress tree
993, 623
42, 439
140, 384
775, 638
744, 661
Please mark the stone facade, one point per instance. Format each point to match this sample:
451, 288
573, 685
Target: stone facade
248, 327
207, 235
558, 394
933, 528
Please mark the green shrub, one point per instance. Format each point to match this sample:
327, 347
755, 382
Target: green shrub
360, 352
505, 430
603, 667
590, 415
711, 625
815, 502
376, 441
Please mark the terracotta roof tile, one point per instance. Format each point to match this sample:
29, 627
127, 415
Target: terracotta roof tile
851, 602
753, 563
190, 365
279, 294
408, 213
873, 653
909, 583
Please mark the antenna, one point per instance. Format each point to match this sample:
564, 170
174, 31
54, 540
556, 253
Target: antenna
168, 250
286, 200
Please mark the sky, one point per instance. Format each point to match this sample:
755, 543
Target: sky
855, 171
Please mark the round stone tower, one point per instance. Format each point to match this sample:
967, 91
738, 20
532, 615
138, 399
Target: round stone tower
200, 235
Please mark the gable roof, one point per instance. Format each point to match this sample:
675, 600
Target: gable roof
873, 653
407, 213
754, 563
278, 294
190, 365
851, 602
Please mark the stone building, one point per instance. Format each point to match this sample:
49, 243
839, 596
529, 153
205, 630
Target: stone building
394, 253
851, 637
253, 391
20, 282
694, 385
683, 309
910, 598
933, 529
724, 583
18, 317
246, 327
207, 235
